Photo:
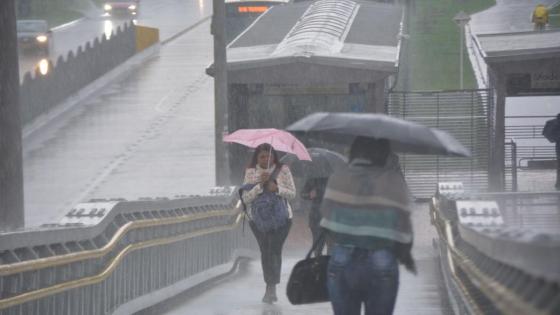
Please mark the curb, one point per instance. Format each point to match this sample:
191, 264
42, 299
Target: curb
90, 89
182, 32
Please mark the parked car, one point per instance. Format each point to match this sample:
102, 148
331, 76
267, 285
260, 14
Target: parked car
121, 7
34, 35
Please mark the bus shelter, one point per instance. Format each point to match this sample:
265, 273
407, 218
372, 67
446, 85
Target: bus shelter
308, 57
519, 64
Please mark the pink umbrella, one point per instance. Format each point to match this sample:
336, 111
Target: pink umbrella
280, 140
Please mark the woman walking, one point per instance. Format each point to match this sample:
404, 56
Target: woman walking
266, 177
366, 212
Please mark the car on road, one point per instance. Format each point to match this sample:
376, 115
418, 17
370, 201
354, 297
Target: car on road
34, 35
121, 7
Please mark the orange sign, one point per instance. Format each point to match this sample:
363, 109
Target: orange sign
251, 9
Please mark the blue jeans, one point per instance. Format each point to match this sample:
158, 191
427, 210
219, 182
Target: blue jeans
357, 276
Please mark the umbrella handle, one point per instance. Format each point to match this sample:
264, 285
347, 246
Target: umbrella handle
269, 154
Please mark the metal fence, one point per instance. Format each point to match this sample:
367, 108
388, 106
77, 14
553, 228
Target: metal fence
465, 114
493, 260
526, 149
138, 249
40, 93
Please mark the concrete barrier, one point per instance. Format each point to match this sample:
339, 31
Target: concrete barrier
146, 37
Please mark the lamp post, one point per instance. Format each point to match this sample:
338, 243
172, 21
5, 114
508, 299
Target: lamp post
461, 19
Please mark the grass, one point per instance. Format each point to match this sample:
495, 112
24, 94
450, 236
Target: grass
433, 48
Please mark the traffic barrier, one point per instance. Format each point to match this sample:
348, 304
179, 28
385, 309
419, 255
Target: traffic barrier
146, 37
41, 93
119, 256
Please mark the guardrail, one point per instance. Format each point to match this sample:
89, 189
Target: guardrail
134, 252
493, 262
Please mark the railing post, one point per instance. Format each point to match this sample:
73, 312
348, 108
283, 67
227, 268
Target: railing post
513, 165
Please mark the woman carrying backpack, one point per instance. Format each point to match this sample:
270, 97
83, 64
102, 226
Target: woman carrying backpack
268, 185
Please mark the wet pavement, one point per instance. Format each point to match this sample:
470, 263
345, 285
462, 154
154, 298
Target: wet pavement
150, 135
506, 16
422, 294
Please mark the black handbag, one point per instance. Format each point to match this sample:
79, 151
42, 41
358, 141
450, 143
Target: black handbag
308, 280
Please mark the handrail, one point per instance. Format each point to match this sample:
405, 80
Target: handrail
96, 253
479, 267
36, 294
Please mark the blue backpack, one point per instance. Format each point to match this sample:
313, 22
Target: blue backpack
269, 210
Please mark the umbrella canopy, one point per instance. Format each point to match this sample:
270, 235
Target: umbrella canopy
551, 130
323, 163
405, 136
280, 140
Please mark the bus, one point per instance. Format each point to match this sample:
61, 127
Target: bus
241, 13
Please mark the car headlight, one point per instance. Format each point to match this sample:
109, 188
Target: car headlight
41, 38
132, 7
107, 7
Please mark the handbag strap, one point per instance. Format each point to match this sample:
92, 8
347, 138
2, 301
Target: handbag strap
316, 243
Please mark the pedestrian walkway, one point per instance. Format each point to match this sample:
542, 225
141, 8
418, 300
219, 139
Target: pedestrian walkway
423, 294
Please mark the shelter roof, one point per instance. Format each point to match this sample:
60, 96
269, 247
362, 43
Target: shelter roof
339, 33
520, 45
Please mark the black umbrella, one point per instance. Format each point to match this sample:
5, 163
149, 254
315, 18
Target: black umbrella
323, 163
405, 136
551, 130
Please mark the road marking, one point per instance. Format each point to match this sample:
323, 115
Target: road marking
67, 25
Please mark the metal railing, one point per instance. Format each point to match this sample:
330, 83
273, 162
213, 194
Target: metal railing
512, 166
492, 261
465, 114
139, 248
520, 153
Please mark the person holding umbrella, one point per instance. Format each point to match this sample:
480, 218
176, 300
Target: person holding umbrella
366, 206
268, 185
366, 212
551, 131
316, 173
266, 174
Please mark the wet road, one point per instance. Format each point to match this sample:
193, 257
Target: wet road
419, 295
150, 135
170, 16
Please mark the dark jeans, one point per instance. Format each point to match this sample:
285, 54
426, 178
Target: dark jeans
270, 244
357, 276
